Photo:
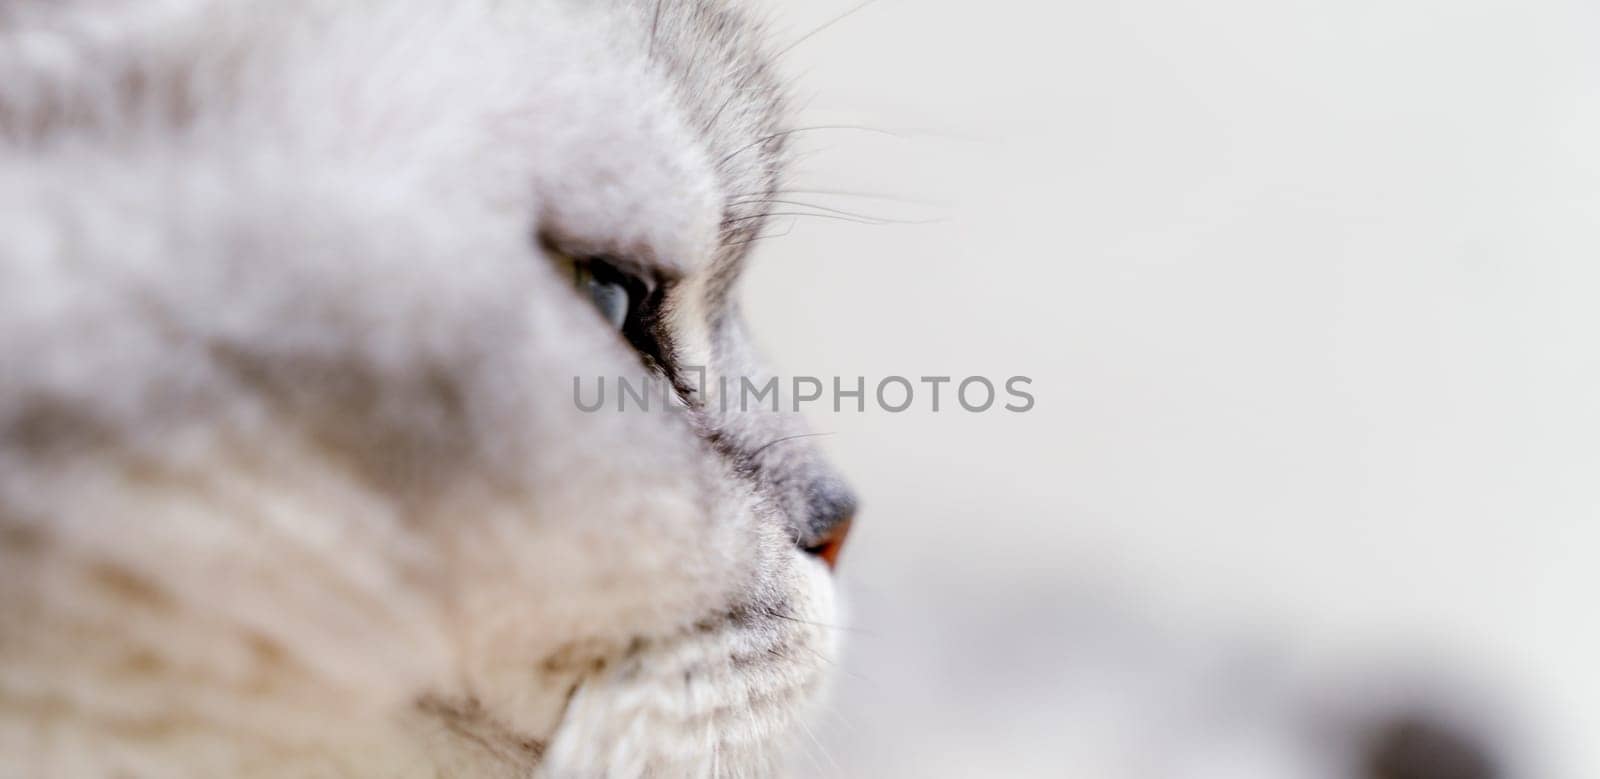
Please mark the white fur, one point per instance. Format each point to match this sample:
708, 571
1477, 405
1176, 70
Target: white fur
291, 481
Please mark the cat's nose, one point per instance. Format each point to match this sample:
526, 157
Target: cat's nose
827, 548
832, 507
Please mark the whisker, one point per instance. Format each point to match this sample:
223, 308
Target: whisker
756, 239
712, 122
776, 441
765, 236
825, 25
775, 201
835, 217
791, 131
845, 628
863, 195
738, 219
838, 667
788, 228
822, 750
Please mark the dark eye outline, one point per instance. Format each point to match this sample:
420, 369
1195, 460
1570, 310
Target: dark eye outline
610, 291
640, 321
644, 325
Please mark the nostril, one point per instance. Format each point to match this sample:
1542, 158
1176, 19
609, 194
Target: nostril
828, 547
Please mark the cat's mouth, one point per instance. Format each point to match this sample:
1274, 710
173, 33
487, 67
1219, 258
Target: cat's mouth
736, 684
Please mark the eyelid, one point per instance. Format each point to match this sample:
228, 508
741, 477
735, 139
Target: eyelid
630, 273
651, 275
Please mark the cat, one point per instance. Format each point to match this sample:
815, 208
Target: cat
293, 295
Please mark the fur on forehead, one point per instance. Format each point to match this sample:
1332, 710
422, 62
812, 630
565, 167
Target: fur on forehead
723, 76
689, 80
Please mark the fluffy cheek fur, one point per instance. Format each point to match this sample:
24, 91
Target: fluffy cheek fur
235, 636
723, 698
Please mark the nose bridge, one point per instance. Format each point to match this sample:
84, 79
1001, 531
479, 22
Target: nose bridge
830, 502
831, 510
825, 505
814, 493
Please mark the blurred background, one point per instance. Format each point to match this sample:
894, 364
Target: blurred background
1308, 294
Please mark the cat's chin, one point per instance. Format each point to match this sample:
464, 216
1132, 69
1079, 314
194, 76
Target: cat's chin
726, 696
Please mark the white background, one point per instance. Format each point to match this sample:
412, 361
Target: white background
1308, 292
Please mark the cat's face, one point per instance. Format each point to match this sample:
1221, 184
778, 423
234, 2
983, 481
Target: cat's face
294, 297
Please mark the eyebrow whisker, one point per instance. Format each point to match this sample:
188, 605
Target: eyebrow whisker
824, 26
763, 237
737, 93
776, 441
862, 195
801, 204
837, 217
791, 131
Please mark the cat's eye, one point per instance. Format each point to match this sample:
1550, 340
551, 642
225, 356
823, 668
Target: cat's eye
626, 295
616, 294
608, 293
